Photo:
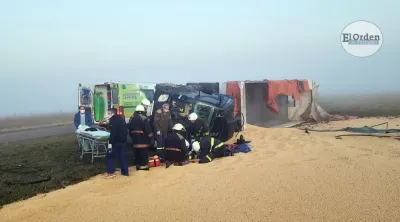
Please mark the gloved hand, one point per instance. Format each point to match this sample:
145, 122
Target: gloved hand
152, 142
158, 133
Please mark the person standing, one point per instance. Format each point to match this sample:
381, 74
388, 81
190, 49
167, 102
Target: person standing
142, 137
82, 118
163, 124
117, 143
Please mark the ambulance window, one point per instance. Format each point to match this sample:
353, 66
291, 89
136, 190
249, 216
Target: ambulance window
114, 92
149, 93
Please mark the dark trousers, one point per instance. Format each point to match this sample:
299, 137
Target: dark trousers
141, 157
160, 145
161, 139
118, 150
215, 153
174, 156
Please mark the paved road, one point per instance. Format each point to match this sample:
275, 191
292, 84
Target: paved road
35, 133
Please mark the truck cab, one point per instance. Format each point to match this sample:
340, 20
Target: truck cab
216, 109
122, 96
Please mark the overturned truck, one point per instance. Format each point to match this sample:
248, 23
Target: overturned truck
217, 109
272, 103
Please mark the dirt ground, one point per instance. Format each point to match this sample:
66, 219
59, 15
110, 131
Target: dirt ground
289, 176
35, 120
54, 158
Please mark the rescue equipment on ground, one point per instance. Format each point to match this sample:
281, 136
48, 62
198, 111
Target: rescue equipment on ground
154, 161
241, 146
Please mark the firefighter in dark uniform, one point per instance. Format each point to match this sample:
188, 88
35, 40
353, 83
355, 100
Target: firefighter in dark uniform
176, 146
162, 124
209, 148
198, 128
142, 137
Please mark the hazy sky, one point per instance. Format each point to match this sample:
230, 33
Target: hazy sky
49, 46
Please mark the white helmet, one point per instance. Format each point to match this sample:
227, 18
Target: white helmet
196, 146
187, 144
178, 127
146, 102
193, 117
139, 108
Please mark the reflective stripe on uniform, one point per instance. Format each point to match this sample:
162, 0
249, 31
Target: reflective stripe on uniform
137, 131
173, 149
219, 145
140, 146
160, 148
212, 144
209, 158
206, 133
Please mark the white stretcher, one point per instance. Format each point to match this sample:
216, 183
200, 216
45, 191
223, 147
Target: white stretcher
92, 142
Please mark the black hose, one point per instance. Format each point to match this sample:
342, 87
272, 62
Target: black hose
329, 130
372, 135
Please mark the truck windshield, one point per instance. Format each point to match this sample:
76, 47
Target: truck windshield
204, 111
182, 109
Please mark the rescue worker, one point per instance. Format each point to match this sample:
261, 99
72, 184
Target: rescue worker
163, 124
142, 137
176, 147
117, 143
82, 118
146, 104
208, 149
197, 128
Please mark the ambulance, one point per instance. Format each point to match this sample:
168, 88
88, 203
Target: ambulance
124, 97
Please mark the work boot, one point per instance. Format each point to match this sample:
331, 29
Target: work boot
146, 167
168, 164
179, 163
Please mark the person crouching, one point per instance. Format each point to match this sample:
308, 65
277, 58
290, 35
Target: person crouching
209, 149
142, 137
176, 148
